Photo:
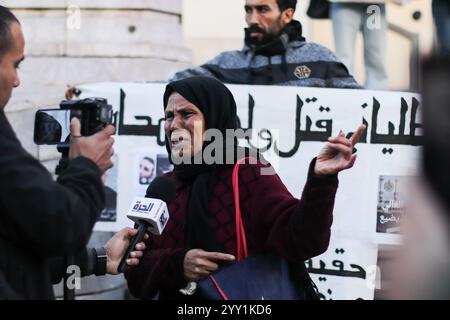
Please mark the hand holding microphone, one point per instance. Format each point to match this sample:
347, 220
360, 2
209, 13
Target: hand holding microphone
150, 213
117, 246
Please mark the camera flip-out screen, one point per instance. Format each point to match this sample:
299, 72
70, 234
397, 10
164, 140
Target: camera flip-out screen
52, 126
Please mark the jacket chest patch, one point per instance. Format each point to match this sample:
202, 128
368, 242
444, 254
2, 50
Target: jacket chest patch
302, 72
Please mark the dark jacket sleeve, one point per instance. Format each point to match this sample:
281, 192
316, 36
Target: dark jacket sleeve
39, 214
85, 259
6, 292
292, 228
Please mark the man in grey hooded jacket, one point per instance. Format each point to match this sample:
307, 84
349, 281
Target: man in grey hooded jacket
275, 53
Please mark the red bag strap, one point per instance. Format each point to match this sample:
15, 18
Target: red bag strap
240, 231
218, 288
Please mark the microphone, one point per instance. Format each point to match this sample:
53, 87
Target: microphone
150, 213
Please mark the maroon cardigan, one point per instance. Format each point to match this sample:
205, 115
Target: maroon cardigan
275, 222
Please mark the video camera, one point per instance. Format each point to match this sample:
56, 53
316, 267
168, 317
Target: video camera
52, 126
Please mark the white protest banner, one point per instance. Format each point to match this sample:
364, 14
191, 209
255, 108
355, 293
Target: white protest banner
293, 124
